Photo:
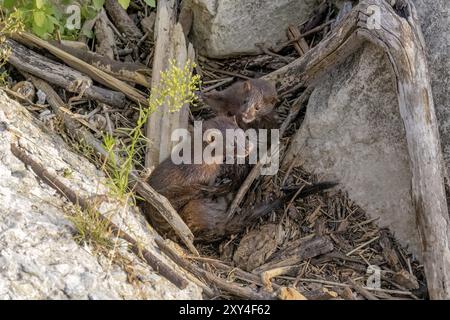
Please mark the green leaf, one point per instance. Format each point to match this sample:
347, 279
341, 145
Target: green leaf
88, 33
41, 32
40, 3
98, 4
54, 20
151, 3
8, 4
39, 18
124, 3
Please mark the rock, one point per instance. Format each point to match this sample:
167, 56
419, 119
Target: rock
353, 131
39, 258
223, 28
435, 22
256, 247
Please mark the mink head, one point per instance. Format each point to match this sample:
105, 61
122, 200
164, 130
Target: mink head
248, 100
234, 142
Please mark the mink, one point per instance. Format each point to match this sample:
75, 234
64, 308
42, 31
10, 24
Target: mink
202, 202
251, 101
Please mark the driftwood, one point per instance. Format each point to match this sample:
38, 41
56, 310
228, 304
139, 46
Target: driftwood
164, 269
71, 80
233, 288
104, 36
293, 255
238, 273
126, 71
161, 204
122, 20
300, 44
399, 34
170, 44
93, 72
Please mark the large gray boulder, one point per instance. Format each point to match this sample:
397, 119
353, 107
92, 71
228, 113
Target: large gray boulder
223, 28
39, 257
435, 17
353, 131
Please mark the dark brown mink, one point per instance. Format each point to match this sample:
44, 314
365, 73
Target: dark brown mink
251, 101
182, 183
208, 220
193, 191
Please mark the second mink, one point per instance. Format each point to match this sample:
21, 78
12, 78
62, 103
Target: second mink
251, 101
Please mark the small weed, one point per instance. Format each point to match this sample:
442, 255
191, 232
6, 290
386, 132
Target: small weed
176, 88
92, 229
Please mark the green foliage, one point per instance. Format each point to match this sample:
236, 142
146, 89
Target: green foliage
124, 3
46, 17
8, 24
98, 4
91, 228
151, 3
176, 88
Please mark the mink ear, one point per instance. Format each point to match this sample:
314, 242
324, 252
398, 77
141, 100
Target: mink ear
247, 86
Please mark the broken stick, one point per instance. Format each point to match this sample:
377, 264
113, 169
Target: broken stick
54, 72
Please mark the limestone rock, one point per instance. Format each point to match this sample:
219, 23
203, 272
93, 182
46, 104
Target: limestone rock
223, 28
39, 258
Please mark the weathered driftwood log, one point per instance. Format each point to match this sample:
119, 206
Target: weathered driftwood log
170, 44
122, 20
54, 72
293, 255
104, 36
397, 31
161, 204
126, 71
78, 64
244, 292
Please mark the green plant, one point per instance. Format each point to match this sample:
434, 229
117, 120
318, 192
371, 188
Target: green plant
176, 88
91, 228
9, 24
126, 3
46, 17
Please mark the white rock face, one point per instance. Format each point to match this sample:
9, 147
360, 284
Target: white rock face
223, 28
39, 258
353, 130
